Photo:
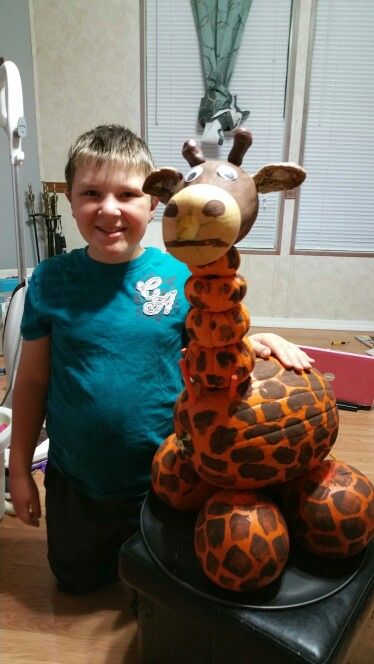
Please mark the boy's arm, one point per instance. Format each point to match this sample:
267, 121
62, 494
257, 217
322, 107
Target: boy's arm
28, 412
291, 356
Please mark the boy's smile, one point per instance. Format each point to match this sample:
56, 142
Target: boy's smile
111, 210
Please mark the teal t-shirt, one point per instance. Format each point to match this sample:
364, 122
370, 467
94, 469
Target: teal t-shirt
116, 337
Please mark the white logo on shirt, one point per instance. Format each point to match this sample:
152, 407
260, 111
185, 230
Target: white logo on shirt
155, 301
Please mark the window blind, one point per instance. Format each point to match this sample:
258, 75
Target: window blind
175, 85
337, 200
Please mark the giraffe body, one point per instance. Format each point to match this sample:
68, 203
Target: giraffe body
243, 423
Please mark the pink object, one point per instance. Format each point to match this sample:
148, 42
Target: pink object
3, 426
351, 375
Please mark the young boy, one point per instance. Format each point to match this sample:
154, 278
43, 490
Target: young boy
102, 334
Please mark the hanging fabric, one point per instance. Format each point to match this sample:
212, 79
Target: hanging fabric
220, 25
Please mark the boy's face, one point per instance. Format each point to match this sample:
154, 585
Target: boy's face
112, 212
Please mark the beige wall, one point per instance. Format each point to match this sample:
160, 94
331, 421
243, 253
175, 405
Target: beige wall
87, 71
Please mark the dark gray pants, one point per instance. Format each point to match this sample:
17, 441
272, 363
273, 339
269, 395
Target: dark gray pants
85, 535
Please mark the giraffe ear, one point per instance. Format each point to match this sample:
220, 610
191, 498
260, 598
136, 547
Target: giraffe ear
163, 183
279, 177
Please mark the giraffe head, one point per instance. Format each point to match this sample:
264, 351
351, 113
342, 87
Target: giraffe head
215, 204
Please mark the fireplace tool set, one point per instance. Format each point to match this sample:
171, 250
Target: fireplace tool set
55, 239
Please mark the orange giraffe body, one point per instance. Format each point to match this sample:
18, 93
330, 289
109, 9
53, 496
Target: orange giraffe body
175, 480
245, 423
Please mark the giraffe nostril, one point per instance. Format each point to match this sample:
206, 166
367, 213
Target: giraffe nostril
214, 209
171, 210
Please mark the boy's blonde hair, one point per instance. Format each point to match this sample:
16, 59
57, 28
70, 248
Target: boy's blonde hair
109, 144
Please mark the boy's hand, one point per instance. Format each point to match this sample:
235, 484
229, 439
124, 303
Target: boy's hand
291, 356
25, 499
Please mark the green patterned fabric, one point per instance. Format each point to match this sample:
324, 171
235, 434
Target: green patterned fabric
219, 24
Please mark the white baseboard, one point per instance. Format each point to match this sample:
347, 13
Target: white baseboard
314, 323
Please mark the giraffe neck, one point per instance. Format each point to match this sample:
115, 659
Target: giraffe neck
218, 356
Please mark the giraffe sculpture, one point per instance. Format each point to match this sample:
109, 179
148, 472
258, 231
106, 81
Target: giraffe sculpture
243, 426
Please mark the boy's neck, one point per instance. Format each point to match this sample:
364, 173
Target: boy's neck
118, 260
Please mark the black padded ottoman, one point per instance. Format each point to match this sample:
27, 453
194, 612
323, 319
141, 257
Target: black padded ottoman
184, 618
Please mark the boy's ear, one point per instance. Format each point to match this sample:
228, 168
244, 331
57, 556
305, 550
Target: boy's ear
68, 195
154, 203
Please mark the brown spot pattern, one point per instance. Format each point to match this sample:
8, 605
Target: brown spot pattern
241, 540
261, 440
174, 479
216, 294
334, 514
214, 367
213, 329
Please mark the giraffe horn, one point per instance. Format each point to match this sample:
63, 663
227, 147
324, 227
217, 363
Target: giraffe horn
192, 153
242, 141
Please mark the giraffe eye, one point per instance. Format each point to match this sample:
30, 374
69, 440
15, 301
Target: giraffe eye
193, 173
227, 172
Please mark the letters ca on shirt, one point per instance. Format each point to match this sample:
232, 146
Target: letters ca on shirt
154, 297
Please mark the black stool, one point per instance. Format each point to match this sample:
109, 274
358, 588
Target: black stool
309, 616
